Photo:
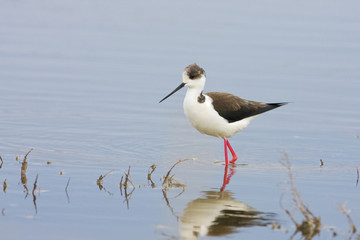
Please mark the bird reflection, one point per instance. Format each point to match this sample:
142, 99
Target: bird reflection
219, 214
227, 176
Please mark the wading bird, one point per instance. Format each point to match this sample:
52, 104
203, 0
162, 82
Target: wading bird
216, 113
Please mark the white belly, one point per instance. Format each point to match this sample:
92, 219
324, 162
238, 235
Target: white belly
206, 120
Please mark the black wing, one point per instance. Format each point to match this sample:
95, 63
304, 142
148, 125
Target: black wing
233, 108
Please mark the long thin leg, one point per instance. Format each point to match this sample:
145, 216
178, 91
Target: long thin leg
226, 146
232, 153
226, 152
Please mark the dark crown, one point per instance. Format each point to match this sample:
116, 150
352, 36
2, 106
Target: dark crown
194, 71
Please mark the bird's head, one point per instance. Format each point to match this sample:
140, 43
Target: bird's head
192, 77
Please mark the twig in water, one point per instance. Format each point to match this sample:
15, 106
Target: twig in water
100, 180
33, 192
346, 212
24, 165
2, 162
27, 154
128, 196
4, 186
169, 182
23, 172
152, 167
127, 179
35, 184
168, 203
311, 225
167, 179
125, 186
357, 180
66, 190
121, 184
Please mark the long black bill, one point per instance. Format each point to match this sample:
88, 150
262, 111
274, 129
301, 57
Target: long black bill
176, 89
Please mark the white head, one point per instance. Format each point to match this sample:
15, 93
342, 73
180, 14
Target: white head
192, 77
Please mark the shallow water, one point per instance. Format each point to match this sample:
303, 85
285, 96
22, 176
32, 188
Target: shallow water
80, 84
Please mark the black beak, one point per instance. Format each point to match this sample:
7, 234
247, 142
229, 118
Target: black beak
176, 89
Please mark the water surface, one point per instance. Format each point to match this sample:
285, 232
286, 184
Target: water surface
80, 84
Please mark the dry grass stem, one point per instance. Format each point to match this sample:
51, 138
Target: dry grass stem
121, 184
127, 179
152, 167
128, 196
25, 157
124, 185
311, 225
100, 180
23, 172
169, 181
4, 186
66, 190
33, 192
168, 203
352, 227
24, 166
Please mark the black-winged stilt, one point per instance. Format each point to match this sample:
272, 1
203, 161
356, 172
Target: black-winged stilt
215, 113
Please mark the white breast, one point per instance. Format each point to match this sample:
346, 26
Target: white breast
206, 120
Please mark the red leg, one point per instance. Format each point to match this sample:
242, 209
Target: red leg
232, 151
226, 153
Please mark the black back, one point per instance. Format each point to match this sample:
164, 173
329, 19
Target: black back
233, 108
